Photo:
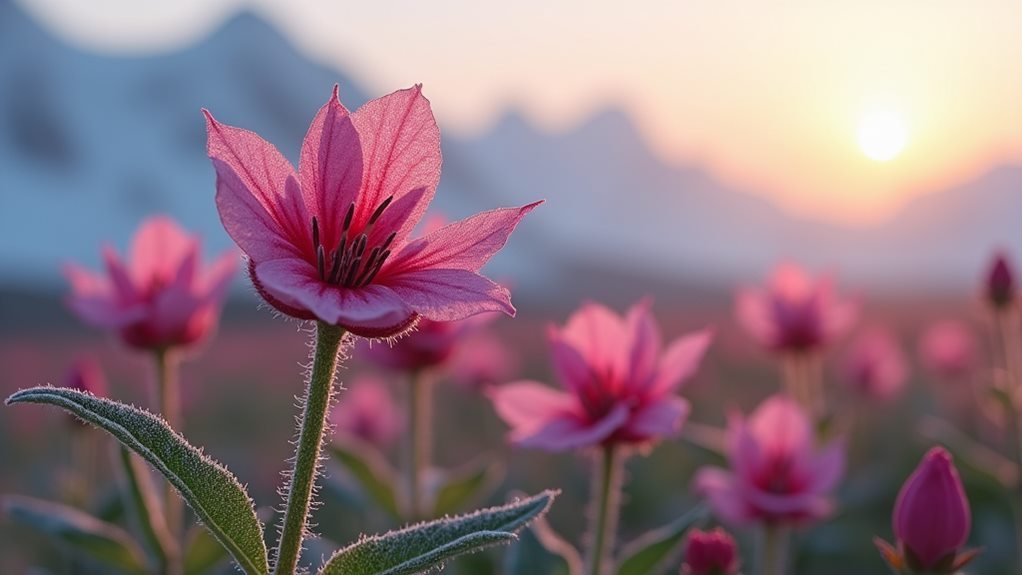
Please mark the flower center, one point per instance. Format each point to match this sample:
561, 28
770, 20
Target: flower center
348, 265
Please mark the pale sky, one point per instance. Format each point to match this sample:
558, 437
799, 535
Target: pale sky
766, 95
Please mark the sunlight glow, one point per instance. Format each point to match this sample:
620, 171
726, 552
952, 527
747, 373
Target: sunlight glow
882, 134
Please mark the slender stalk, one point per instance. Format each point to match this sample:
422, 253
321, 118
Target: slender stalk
143, 501
772, 551
318, 393
169, 406
418, 440
1008, 337
607, 503
801, 372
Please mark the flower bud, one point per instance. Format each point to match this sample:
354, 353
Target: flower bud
85, 375
710, 553
1000, 282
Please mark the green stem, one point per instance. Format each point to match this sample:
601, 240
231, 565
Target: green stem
144, 502
606, 500
773, 549
318, 394
169, 406
418, 439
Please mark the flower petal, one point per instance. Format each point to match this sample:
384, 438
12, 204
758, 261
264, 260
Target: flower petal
569, 431
680, 361
400, 151
720, 489
449, 295
258, 197
467, 244
92, 299
826, 467
296, 283
598, 334
217, 277
780, 426
644, 349
123, 287
753, 312
663, 418
570, 366
527, 405
158, 250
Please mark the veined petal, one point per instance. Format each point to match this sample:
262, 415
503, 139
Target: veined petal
449, 295
330, 168
680, 361
569, 431
158, 250
367, 310
258, 197
400, 151
599, 335
467, 244
527, 405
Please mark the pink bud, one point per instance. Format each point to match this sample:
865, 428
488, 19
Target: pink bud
1000, 288
931, 516
710, 553
86, 375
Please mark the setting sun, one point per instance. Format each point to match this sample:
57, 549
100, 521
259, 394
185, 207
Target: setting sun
882, 134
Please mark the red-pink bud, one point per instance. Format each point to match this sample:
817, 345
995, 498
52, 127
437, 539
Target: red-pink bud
710, 553
86, 375
931, 516
1000, 286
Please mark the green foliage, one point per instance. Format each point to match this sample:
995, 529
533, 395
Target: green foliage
371, 470
647, 554
461, 487
79, 532
214, 493
541, 550
426, 546
202, 552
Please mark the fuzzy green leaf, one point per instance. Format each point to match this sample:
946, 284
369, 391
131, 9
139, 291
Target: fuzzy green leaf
426, 546
465, 485
647, 554
217, 497
372, 472
78, 531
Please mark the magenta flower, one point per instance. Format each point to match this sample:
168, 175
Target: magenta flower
710, 553
429, 345
1000, 282
162, 297
794, 312
876, 366
330, 242
777, 474
483, 360
931, 519
368, 413
620, 389
948, 349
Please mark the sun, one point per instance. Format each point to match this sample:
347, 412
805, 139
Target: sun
882, 134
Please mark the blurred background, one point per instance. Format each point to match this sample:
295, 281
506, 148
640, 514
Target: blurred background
683, 148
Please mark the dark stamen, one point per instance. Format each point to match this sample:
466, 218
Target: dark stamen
369, 265
360, 245
379, 210
375, 268
352, 269
321, 261
335, 269
315, 232
347, 219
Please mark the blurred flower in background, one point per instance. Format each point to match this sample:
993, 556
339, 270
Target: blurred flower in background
1000, 282
483, 359
710, 553
161, 297
875, 365
948, 349
429, 345
367, 411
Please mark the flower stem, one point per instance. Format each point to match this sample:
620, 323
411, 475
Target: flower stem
801, 374
772, 551
607, 503
1007, 336
318, 393
418, 439
169, 406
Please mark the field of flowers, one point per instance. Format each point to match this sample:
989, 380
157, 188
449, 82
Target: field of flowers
791, 427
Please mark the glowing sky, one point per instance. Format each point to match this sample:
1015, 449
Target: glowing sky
767, 95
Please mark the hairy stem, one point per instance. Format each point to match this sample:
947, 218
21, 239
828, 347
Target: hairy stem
607, 503
418, 439
169, 406
318, 393
772, 551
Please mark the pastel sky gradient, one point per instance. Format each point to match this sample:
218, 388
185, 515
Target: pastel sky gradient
767, 95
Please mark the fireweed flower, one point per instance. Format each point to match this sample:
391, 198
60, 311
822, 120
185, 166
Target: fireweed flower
931, 519
948, 349
368, 413
161, 297
620, 388
710, 553
1000, 282
330, 242
777, 473
875, 366
483, 360
430, 344
794, 312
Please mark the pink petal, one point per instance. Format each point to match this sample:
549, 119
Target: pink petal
217, 277
826, 467
794, 506
527, 405
571, 368
720, 489
645, 342
660, 419
400, 151
92, 299
744, 453
330, 168
780, 425
296, 283
680, 361
753, 312
599, 336
159, 249
449, 295
124, 288
467, 244
393, 220
568, 431
258, 197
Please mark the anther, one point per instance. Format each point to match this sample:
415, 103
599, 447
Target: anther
379, 210
321, 261
315, 232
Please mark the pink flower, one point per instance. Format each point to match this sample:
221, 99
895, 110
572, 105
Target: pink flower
86, 375
931, 518
948, 349
483, 360
330, 242
367, 411
429, 345
161, 297
876, 366
794, 312
777, 474
1000, 282
619, 387
710, 553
